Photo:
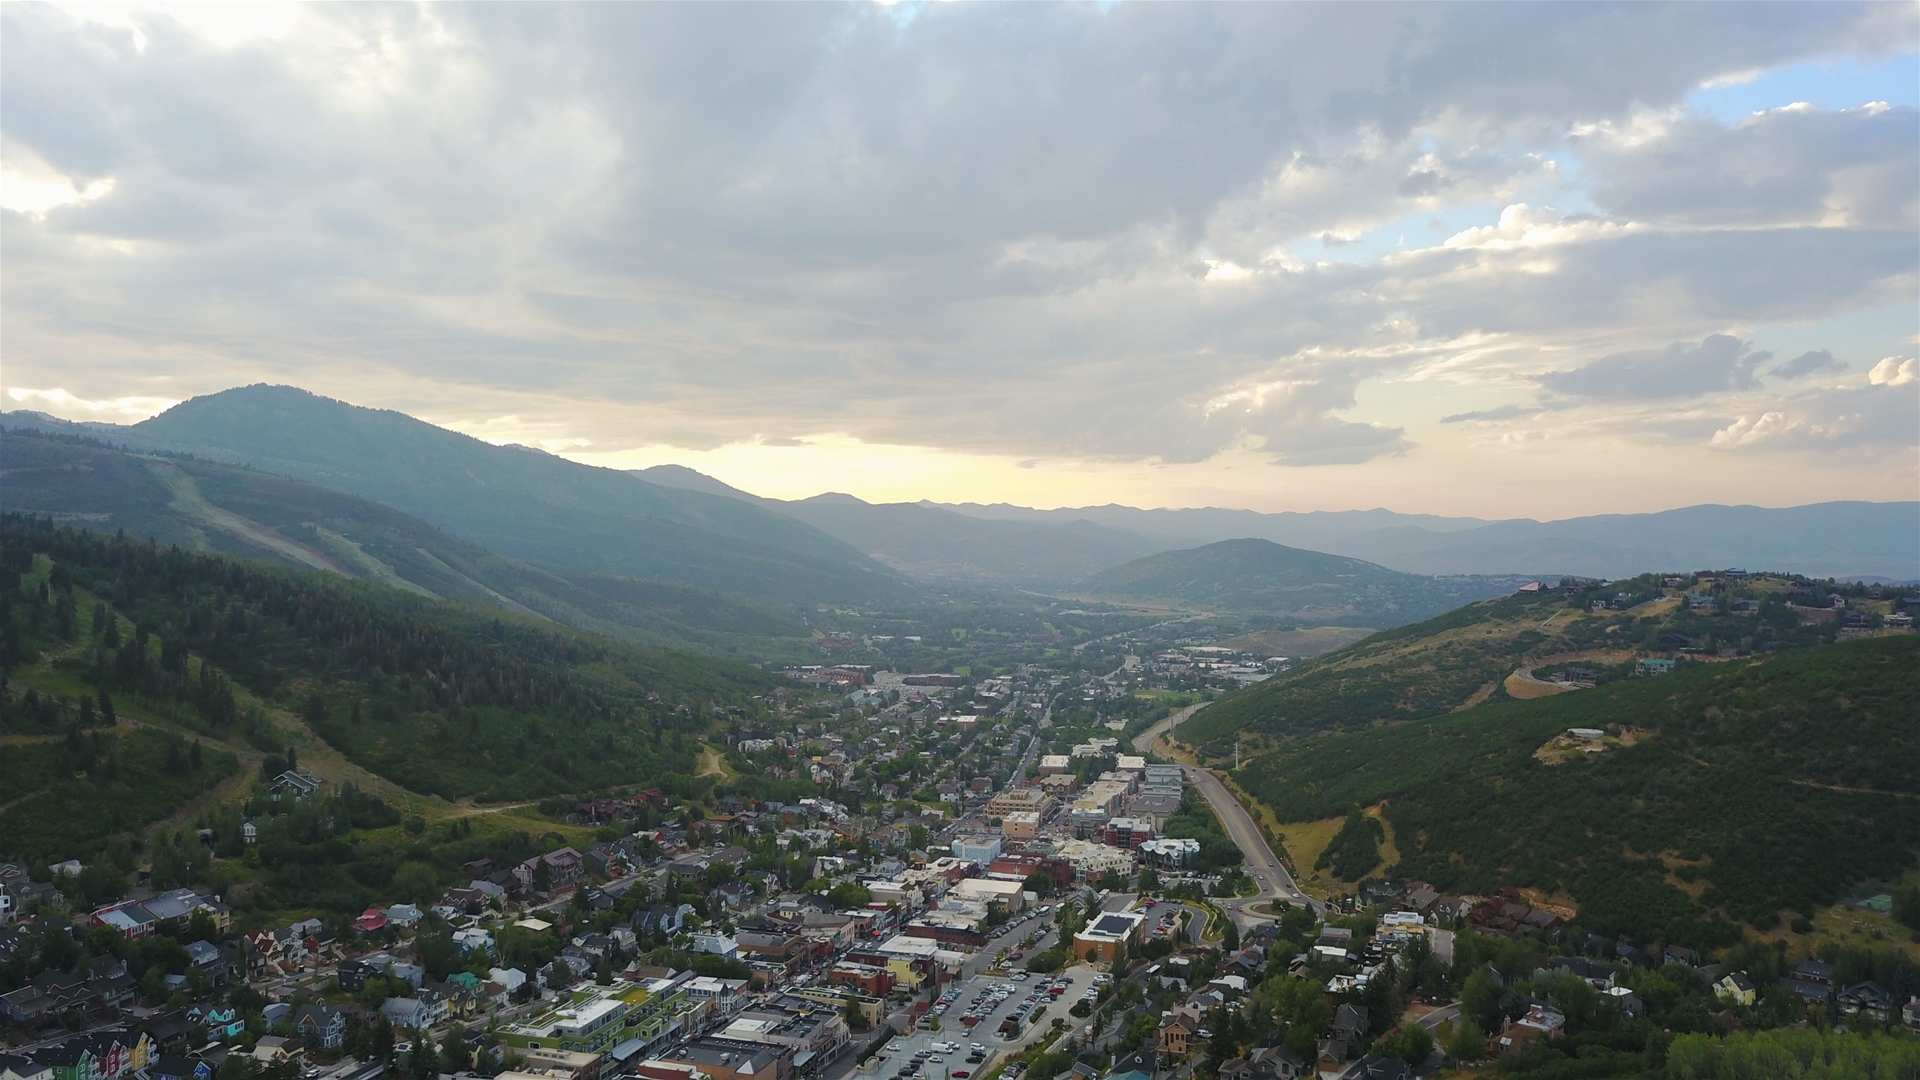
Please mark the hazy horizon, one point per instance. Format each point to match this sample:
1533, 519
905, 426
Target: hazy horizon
1510, 261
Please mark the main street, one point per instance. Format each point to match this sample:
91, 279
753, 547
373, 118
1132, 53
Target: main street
1261, 864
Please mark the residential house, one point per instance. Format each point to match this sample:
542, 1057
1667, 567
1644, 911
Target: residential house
1540, 1022
321, 1026
1376, 1067
1867, 997
1266, 1063
1735, 987
1597, 974
1179, 1033
413, 1012
179, 1067
17, 1067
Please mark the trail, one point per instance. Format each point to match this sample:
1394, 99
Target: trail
188, 500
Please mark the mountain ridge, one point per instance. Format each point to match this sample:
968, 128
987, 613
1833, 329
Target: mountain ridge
207, 506
518, 502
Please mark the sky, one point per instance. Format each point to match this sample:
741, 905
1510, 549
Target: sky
1494, 260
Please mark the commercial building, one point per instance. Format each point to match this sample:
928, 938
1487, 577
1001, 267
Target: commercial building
979, 849
727, 1059
1027, 800
1101, 940
1020, 825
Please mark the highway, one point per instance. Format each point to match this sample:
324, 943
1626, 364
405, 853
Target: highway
1261, 864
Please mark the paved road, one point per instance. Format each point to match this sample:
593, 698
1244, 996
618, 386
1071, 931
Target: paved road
1443, 1014
1261, 864
1144, 741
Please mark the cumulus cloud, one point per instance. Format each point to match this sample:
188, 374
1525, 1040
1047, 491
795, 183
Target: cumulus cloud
1682, 369
1880, 416
1895, 371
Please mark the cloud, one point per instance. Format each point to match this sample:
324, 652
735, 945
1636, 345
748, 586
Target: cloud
1501, 412
1895, 371
1141, 233
1879, 417
1807, 363
1682, 369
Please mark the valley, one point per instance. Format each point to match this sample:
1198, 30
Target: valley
239, 680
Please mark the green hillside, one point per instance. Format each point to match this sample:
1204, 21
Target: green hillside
114, 648
1261, 576
1465, 656
1765, 786
200, 505
519, 502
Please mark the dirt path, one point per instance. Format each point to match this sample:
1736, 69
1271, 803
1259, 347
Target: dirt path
711, 764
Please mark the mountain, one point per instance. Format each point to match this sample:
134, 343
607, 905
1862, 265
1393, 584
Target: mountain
928, 541
1318, 530
517, 501
1488, 650
1746, 791
214, 658
1847, 540
1269, 578
1850, 540
202, 505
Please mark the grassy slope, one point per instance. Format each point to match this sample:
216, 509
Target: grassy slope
1445, 663
1785, 779
1259, 575
204, 506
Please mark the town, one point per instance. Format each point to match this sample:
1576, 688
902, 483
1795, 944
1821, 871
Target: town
1058, 902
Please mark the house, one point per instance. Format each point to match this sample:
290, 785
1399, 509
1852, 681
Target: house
563, 867
661, 919
1375, 1067
321, 1026
1814, 971
1330, 1056
1178, 1033
353, 975
1350, 1024
1735, 987
371, 921
178, 1067
15, 1067
1266, 1063
404, 915
1867, 997
295, 784
1595, 973
413, 1012
272, 1048
1541, 1022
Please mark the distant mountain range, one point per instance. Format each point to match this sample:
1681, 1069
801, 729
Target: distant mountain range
204, 506
1865, 540
518, 502
1053, 548
930, 541
1317, 589
674, 524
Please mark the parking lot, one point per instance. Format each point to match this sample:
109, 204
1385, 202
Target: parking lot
971, 1013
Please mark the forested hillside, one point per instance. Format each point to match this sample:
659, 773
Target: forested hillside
1736, 791
98, 632
201, 505
1268, 578
1464, 656
513, 500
